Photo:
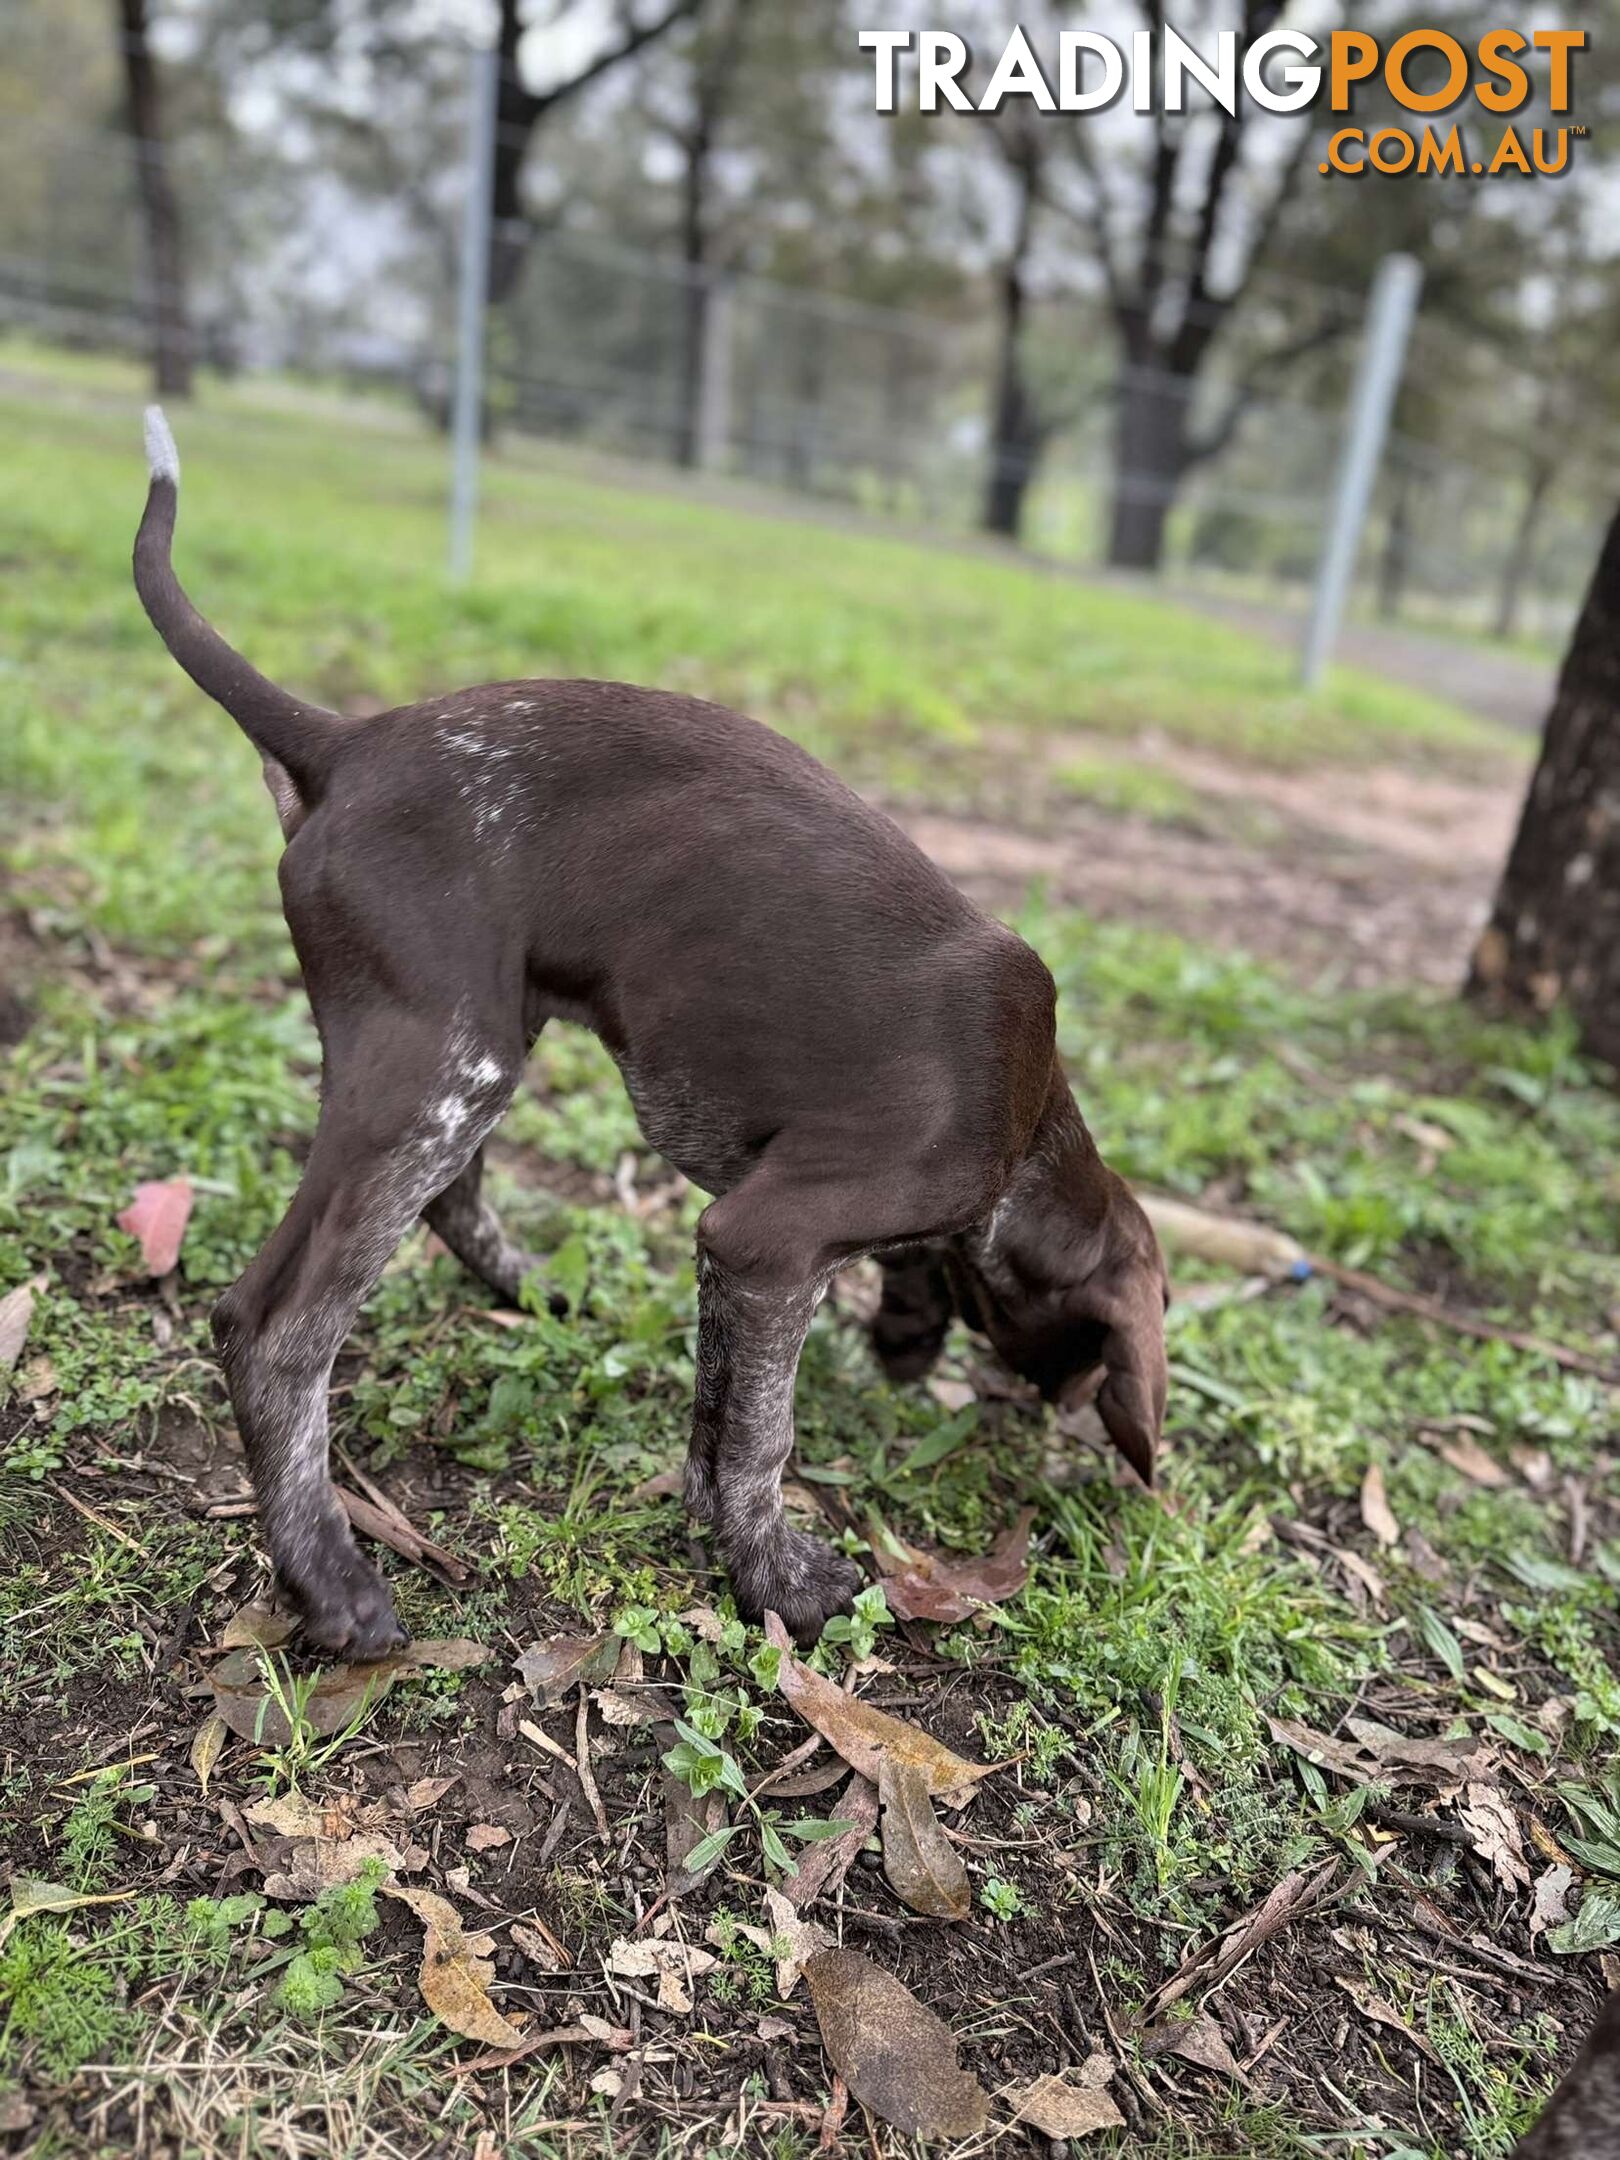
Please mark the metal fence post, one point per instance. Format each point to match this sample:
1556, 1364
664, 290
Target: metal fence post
1372, 400
466, 415
714, 391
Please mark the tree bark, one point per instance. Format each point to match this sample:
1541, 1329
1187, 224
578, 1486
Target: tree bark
1396, 559
1554, 933
160, 208
1151, 457
1522, 554
1015, 430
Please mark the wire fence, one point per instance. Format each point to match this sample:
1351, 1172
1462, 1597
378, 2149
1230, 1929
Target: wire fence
628, 351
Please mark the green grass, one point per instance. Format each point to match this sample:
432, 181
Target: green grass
1136, 1675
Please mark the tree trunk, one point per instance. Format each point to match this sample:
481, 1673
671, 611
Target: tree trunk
1522, 554
1015, 433
1150, 456
1554, 933
1396, 560
160, 209
695, 289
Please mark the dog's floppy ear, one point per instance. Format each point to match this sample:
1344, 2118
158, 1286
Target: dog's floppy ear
1125, 1296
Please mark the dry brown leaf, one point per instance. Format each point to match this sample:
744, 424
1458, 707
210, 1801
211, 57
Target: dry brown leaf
896, 2057
1549, 1907
455, 1974
924, 1869
207, 1743
1196, 2040
1468, 1457
442, 1653
340, 1694
1071, 2105
1493, 1831
1383, 2012
16, 1312
316, 1864
540, 1946
427, 1792
293, 1815
823, 1865
1375, 1751
486, 1836
941, 1586
256, 1627
550, 1669
674, 1965
864, 1736
789, 1941
1376, 1511
379, 1519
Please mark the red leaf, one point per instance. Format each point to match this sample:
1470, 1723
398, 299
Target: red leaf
933, 1586
157, 1216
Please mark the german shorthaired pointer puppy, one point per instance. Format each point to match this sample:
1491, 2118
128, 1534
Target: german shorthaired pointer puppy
812, 1023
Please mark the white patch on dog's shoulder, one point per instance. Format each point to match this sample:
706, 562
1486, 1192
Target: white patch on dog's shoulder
162, 457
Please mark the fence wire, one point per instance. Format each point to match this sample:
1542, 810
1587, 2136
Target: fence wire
626, 350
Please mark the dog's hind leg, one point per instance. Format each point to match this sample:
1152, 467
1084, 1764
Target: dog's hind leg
464, 1219
911, 1323
407, 1100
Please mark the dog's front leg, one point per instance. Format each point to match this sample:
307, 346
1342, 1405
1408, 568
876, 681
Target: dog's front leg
751, 1328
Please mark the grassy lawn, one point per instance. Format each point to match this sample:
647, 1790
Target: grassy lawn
1140, 1692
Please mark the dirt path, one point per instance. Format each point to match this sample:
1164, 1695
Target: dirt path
1368, 877
1494, 681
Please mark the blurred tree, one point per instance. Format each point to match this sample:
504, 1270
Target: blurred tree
160, 206
522, 109
1554, 933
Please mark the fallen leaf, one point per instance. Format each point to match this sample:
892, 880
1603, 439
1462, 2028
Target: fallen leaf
1493, 1831
16, 1311
689, 1819
938, 1586
789, 1941
340, 1694
207, 1742
1595, 1927
1061, 2108
1471, 1460
1549, 1906
864, 1736
1375, 1751
156, 1218
794, 1942
294, 1815
1383, 2012
1196, 2040
674, 1965
549, 1669
313, 1865
36, 1380
30, 1895
896, 2057
1376, 1511
486, 1836
427, 1792
540, 1946
924, 1869
823, 1865
256, 1627
442, 1653
455, 1976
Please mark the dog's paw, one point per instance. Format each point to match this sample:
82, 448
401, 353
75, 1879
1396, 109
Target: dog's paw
347, 1609
801, 1580
698, 1490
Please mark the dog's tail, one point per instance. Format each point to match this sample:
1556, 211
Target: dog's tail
301, 739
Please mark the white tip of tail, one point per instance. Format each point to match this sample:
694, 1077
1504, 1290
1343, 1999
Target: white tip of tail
162, 457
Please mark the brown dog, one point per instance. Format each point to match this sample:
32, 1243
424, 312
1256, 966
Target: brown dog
811, 1021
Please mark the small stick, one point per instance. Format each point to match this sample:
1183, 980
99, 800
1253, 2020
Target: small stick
1428, 1308
101, 1522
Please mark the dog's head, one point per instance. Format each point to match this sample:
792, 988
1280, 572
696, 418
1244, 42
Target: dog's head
1070, 1287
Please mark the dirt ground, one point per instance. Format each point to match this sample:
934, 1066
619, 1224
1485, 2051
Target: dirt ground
1382, 878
